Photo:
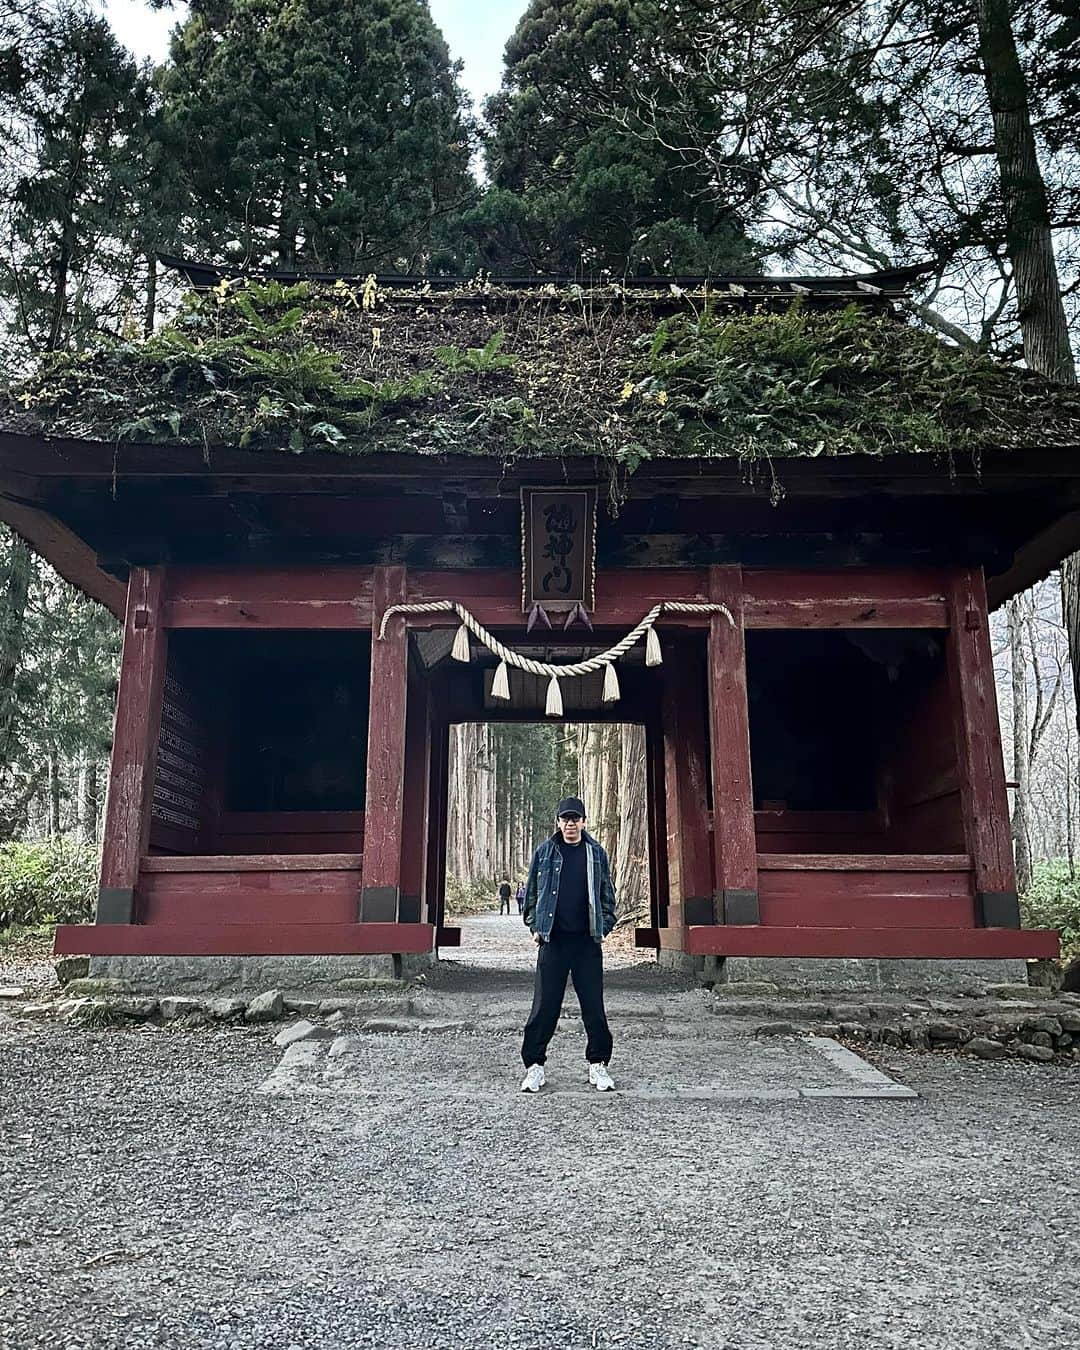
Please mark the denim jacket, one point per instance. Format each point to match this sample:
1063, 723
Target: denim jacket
542, 888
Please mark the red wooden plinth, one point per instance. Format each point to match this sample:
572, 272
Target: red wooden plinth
244, 939
885, 943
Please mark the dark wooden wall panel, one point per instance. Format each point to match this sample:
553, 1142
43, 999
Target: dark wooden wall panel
920, 780
179, 812
784, 831
290, 832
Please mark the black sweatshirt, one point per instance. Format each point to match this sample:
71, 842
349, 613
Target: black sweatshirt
572, 910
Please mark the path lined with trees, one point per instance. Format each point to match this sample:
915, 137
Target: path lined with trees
505, 781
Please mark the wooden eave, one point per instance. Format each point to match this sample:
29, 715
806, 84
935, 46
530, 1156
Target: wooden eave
870, 288
1030, 498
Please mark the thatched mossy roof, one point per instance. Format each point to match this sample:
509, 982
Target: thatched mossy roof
541, 371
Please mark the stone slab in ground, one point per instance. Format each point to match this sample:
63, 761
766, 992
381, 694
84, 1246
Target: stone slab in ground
647, 1065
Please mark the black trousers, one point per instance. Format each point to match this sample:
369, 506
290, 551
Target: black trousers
566, 954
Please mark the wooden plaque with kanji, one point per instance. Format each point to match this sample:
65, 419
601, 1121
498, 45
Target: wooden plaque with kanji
558, 535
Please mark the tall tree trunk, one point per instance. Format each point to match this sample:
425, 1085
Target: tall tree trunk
80, 798
90, 801
150, 313
1029, 244
1070, 615
632, 860
1028, 238
1021, 741
54, 795
13, 599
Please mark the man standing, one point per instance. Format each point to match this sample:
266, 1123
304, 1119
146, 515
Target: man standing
504, 896
570, 909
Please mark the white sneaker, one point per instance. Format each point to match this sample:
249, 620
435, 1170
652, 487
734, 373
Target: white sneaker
534, 1079
600, 1078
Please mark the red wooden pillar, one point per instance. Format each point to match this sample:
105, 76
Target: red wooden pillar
134, 750
414, 825
735, 883
386, 753
440, 786
657, 819
983, 799
690, 872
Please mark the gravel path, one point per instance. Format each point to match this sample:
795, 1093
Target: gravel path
26, 962
156, 1195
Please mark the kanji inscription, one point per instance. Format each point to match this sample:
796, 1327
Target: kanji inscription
558, 533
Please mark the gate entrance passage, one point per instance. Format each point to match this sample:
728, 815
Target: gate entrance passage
823, 775
446, 692
504, 783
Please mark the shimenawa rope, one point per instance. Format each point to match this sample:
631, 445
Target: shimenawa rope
508, 657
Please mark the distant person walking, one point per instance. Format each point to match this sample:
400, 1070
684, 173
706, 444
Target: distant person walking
504, 896
519, 896
570, 909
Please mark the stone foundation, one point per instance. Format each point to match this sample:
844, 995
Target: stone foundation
685, 964
812, 975
942, 975
248, 974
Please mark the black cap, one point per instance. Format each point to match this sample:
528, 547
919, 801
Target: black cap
571, 806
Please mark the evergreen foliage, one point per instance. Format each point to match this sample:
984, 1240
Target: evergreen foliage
329, 134
573, 188
76, 118
58, 659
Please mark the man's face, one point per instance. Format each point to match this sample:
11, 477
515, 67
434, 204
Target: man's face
570, 828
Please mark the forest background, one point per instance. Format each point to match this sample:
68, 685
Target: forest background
652, 137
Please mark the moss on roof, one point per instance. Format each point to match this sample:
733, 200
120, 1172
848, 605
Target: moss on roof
542, 372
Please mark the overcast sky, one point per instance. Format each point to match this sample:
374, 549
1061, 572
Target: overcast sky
475, 29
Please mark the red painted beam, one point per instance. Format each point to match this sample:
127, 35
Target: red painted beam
239, 939
898, 943
769, 585
254, 862
899, 598
856, 613
263, 908
269, 597
448, 937
863, 862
